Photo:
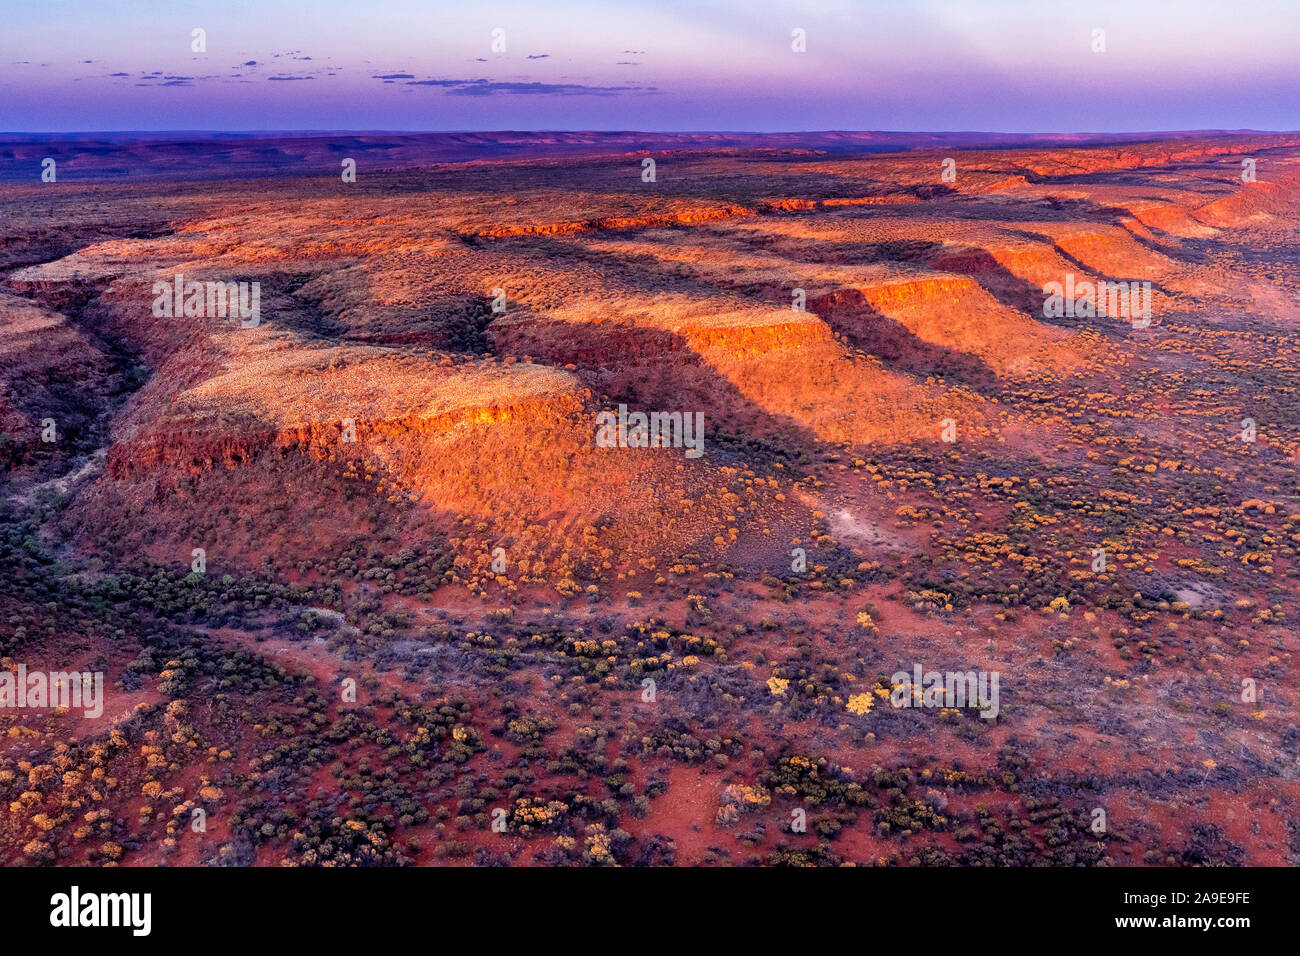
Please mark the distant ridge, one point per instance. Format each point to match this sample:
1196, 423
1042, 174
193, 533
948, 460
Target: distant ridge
182, 155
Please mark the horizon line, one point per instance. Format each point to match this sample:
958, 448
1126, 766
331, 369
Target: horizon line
666, 132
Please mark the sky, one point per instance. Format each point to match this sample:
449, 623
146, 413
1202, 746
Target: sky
1021, 66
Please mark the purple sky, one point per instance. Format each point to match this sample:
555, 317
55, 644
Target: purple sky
1009, 65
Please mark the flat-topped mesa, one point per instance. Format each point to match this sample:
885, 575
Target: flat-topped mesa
1018, 271
650, 221
1171, 218
316, 400
533, 215
740, 334
900, 312
1275, 194
370, 441
1109, 251
664, 329
898, 291
202, 449
775, 372
1006, 267
874, 285
945, 309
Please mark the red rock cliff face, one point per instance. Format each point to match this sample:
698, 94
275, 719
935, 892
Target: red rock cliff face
525, 472
198, 450
192, 453
684, 217
1257, 201
1114, 253
944, 314
748, 341
773, 372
